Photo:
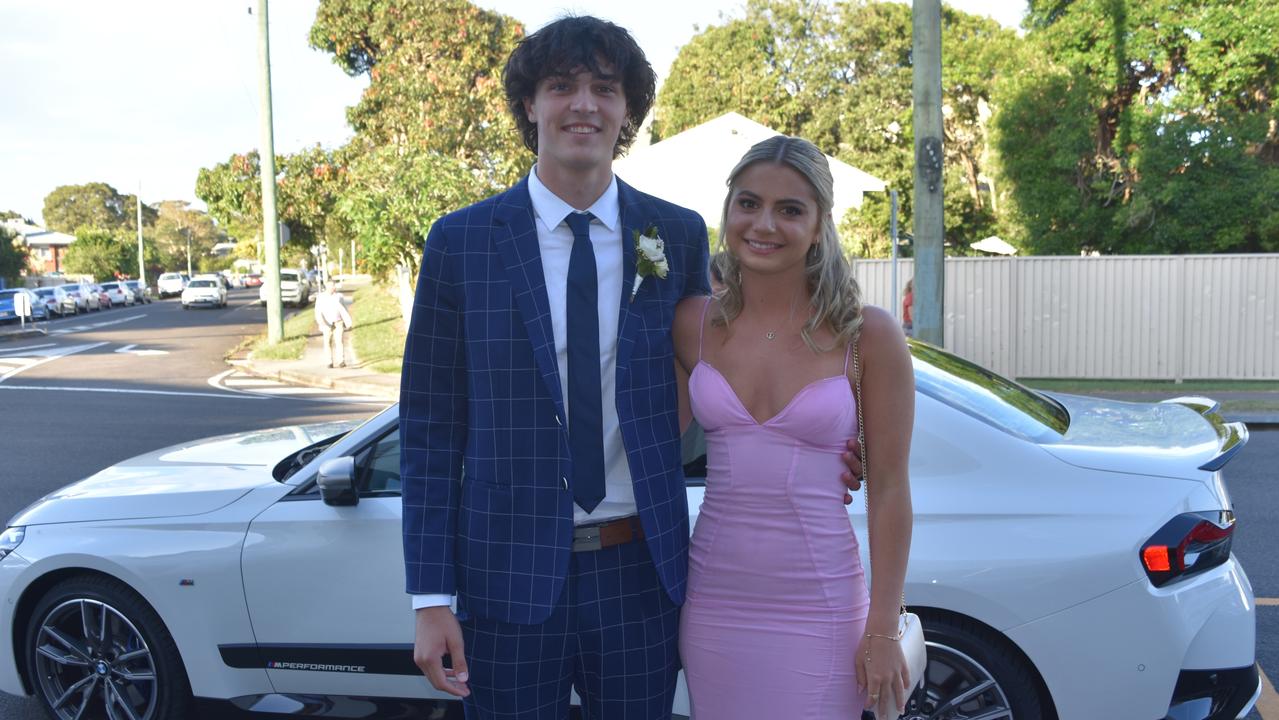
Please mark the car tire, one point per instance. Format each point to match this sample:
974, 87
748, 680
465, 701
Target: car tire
75, 611
963, 655
185, 306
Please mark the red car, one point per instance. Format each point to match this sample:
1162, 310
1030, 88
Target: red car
253, 280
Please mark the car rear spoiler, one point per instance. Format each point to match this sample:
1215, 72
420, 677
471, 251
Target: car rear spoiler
1232, 435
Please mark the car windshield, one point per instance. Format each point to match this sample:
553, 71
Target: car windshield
991, 398
201, 283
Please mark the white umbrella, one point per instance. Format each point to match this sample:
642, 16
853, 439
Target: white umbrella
691, 168
994, 245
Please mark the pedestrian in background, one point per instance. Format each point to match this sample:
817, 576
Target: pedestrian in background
331, 314
908, 309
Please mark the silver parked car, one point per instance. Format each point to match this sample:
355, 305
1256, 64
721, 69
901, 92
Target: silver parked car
57, 300
86, 298
119, 293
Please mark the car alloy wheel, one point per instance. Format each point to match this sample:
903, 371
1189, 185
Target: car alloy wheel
972, 673
97, 650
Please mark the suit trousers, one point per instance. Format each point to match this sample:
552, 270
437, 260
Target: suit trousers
334, 352
611, 636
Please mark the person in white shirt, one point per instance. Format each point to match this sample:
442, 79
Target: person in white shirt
331, 314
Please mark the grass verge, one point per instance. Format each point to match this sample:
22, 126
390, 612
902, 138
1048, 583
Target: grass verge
378, 336
296, 327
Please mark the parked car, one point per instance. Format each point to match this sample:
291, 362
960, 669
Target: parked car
86, 298
294, 289
57, 300
1070, 558
252, 280
8, 306
203, 291
118, 293
141, 293
170, 283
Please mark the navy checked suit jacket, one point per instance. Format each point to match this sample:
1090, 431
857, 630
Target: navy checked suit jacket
488, 510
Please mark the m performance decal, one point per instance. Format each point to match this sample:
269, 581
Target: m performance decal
363, 659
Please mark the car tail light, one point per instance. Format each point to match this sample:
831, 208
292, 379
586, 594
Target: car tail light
1188, 545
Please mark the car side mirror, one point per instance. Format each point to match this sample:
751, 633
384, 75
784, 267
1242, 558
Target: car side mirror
337, 482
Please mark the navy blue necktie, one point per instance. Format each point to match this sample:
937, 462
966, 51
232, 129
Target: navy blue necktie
585, 407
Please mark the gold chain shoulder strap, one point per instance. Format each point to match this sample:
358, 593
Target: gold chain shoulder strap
861, 445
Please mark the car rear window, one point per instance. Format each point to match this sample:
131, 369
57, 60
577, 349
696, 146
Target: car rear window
71, 288
991, 398
170, 276
46, 292
8, 293
288, 277
202, 283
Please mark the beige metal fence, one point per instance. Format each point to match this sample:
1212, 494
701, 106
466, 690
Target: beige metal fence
1148, 317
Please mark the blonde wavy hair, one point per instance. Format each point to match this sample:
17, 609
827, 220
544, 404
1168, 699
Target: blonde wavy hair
836, 297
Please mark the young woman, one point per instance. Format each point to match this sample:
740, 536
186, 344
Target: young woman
778, 621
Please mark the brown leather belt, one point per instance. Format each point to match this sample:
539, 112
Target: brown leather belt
607, 534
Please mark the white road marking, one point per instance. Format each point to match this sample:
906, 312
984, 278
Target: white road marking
123, 391
6, 351
52, 355
95, 326
129, 349
248, 382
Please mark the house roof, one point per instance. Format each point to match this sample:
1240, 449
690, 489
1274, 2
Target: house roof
691, 168
36, 236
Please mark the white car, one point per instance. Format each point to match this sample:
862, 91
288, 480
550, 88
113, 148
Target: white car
170, 283
203, 291
119, 292
1071, 559
294, 289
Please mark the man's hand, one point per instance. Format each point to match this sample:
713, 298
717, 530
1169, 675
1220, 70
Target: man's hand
437, 633
853, 477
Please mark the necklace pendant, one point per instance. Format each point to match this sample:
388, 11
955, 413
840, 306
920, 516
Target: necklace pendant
770, 335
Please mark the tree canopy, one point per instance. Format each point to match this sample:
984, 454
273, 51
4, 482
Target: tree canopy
840, 75
13, 256
100, 254
1144, 128
95, 205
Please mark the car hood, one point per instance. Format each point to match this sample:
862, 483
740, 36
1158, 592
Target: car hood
181, 480
1167, 439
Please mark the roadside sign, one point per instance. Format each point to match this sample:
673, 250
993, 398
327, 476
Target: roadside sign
22, 307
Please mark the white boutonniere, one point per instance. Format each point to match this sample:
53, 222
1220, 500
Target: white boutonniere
650, 258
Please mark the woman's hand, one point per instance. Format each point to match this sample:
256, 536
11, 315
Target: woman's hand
882, 672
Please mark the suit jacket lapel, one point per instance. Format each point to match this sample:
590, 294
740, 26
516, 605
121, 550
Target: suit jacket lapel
515, 238
633, 219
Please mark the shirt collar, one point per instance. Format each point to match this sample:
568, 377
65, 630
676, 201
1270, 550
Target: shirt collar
551, 210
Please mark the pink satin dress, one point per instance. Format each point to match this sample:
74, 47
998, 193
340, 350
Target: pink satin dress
777, 600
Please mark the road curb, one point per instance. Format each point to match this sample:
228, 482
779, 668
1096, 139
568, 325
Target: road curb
353, 386
19, 334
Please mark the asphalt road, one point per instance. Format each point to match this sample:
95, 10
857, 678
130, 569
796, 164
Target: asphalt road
85, 397
104, 387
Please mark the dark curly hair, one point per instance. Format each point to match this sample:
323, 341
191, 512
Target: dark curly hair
571, 43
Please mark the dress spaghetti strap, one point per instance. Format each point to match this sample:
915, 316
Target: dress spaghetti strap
701, 329
848, 353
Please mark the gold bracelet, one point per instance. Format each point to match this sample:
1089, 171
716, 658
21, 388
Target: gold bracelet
894, 638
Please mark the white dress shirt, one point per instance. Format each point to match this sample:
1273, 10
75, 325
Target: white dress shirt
555, 242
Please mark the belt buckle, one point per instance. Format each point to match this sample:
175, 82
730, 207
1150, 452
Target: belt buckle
588, 541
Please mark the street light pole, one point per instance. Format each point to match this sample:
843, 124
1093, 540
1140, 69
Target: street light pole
188, 235
927, 210
270, 230
142, 266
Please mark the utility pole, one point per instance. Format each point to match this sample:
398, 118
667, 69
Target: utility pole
142, 266
929, 228
270, 230
187, 233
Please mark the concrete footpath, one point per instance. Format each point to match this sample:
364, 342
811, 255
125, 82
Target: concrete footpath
313, 370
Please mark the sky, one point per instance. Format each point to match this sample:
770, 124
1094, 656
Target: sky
145, 93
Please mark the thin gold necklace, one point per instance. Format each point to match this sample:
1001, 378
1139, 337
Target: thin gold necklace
771, 335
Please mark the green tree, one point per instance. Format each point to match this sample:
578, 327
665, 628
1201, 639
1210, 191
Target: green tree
232, 190
393, 197
100, 254
841, 77
11, 215
1144, 127
434, 69
178, 225
13, 257
93, 205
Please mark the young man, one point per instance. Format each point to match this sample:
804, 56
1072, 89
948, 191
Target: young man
539, 428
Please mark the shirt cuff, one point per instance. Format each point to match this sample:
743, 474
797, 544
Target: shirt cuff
426, 601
